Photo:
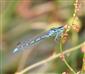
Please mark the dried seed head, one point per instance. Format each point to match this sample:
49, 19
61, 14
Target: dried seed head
76, 27
67, 27
64, 38
62, 56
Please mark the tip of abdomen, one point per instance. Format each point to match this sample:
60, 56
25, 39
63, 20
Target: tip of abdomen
15, 50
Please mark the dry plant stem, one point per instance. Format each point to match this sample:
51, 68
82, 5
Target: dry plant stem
69, 66
49, 59
61, 49
75, 10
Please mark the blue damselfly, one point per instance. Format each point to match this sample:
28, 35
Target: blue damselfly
53, 32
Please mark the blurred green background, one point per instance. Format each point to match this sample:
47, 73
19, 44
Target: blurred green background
25, 19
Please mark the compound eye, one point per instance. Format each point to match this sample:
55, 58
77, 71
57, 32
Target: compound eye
60, 27
52, 28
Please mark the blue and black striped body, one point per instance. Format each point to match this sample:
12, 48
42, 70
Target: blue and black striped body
54, 32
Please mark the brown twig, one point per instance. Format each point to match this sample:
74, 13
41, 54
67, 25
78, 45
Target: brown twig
76, 9
49, 59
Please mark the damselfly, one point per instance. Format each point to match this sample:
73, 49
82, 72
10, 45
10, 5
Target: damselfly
53, 32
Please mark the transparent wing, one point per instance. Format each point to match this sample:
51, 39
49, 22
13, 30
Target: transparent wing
28, 43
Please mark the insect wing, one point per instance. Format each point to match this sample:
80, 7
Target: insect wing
28, 43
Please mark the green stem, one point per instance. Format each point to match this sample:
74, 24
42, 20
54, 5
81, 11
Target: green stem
61, 49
